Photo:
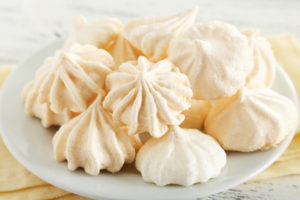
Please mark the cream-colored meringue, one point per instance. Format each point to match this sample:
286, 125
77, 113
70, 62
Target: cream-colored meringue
196, 114
123, 51
252, 120
100, 33
93, 141
42, 110
148, 96
152, 34
181, 156
264, 65
215, 56
67, 83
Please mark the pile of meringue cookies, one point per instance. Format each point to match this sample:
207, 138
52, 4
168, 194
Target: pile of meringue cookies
166, 93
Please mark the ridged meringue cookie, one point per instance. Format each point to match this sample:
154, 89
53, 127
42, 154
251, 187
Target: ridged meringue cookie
252, 120
148, 96
181, 156
123, 51
152, 34
100, 33
69, 81
196, 114
264, 65
215, 56
94, 142
42, 110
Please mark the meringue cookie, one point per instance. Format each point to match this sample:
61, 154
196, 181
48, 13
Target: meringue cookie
92, 141
148, 96
123, 51
42, 110
152, 34
264, 65
181, 156
196, 114
69, 81
215, 56
100, 33
252, 120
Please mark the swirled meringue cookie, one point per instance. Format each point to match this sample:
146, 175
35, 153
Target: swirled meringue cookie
68, 83
252, 120
92, 141
215, 56
196, 114
100, 33
42, 110
264, 64
123, 51
148, 96
181, 156
152, 34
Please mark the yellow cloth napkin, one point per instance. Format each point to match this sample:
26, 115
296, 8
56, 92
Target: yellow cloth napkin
18, 183
287, 52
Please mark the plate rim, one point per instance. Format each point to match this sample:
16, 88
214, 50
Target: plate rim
35, 170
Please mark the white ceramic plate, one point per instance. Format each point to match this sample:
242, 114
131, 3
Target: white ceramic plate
30, 143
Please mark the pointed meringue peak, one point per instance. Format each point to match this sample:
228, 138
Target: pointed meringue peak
123, 51
69, 81
181, 156
100, 33
147, 96
33, 107
94, 142
215, 56
152, 34
252, 120
189, 14
203, 46
251, 33
264, 61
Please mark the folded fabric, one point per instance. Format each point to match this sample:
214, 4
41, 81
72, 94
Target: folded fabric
45, 191
18, 183
287, 52
286, 49
13, 176
293, 151
278, 169
287, 164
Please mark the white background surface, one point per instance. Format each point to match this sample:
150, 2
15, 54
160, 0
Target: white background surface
25, 25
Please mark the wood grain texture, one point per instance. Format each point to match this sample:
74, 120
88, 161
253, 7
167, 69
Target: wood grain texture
27, 25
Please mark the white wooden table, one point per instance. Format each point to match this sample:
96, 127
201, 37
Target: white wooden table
25, 25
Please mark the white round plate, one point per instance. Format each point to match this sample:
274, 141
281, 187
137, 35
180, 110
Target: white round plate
30, 144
